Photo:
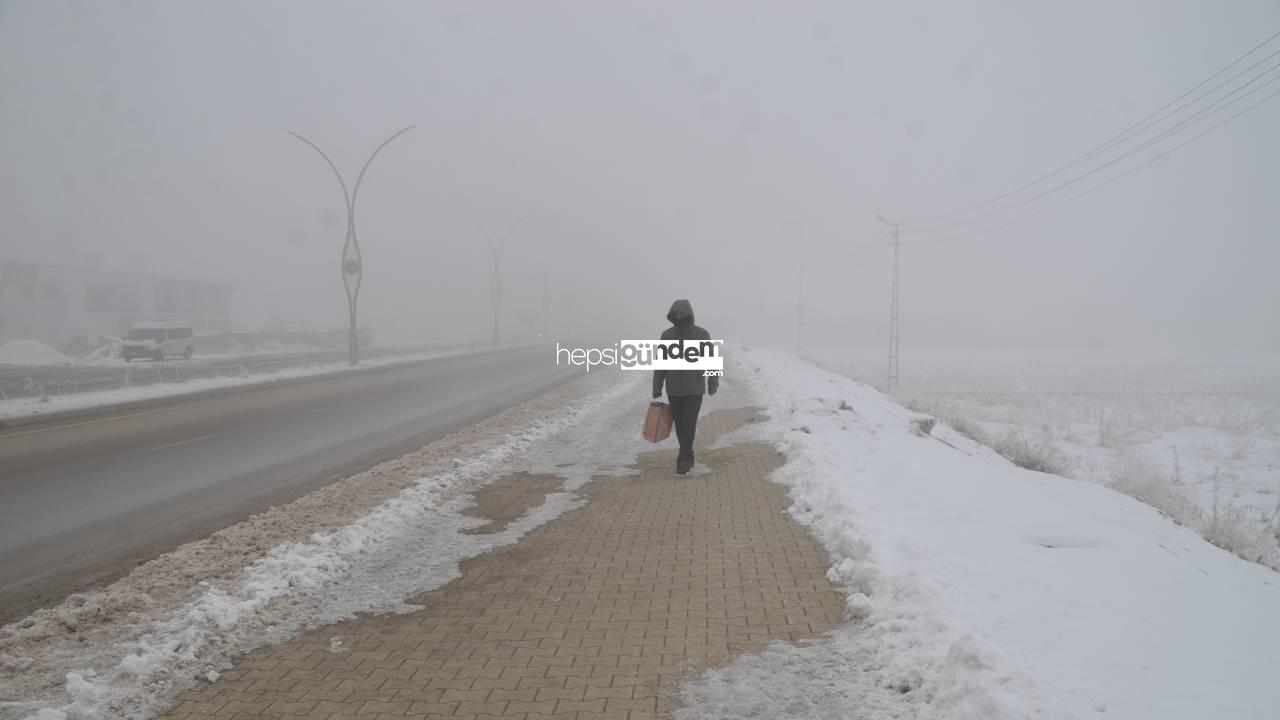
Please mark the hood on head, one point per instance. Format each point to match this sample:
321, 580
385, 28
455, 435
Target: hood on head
680, 307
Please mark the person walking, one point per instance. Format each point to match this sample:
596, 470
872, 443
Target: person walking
685, 388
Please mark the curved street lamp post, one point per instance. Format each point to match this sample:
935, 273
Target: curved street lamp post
495, 277
352, 260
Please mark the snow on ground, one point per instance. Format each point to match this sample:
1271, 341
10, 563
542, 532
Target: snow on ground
977, 589
33, 406
1209, 458
107, 353
359, 545
30, 352
982, 590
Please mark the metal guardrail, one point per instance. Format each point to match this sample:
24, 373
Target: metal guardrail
56, 380
340, 369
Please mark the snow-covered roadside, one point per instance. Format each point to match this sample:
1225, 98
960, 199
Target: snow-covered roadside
355, 546
56, 403
982, 590
1212, 461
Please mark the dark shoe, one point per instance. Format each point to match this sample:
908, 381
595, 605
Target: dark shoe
682, 467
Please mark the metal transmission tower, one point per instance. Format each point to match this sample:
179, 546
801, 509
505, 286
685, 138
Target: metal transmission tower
893, 303
352, 259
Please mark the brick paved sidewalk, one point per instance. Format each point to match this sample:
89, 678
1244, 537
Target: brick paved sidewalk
597, 614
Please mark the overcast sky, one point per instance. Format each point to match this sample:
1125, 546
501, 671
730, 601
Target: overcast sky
709, 150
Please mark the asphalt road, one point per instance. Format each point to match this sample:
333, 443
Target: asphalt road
85, 500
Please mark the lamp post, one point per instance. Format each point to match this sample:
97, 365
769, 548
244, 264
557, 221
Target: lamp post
352, 260
495, 277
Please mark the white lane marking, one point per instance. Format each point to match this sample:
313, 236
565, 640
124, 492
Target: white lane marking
111, 418
180, 442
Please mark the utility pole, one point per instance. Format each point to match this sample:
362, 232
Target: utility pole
800, 310
893, 304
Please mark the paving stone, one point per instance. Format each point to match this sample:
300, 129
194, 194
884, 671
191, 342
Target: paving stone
597, 614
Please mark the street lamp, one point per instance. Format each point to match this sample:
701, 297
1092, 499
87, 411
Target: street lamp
352, 260
495, 277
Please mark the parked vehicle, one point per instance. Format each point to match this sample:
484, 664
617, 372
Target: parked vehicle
157, 340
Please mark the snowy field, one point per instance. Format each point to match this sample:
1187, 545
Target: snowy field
1201, 445
979, 589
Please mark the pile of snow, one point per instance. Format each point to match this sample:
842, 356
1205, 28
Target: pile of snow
108, 351
983, 590
30, 352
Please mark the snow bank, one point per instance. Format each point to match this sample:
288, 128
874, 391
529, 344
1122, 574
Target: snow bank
108, 352
1207, 459
982, 590
30, 353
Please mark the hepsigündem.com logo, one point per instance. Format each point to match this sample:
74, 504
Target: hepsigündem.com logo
648, 355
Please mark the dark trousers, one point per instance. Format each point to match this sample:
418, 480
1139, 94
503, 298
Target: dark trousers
684, 411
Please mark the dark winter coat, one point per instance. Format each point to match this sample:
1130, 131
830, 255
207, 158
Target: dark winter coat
683, 382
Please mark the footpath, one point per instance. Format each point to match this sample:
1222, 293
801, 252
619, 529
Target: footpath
599, 613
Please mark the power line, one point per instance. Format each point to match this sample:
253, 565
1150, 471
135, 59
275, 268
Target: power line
1120, 137
1132, 131
1203, 95
1199, 115
1209, 110
897, 244
1123, 175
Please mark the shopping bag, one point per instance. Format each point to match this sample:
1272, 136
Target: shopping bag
657, 422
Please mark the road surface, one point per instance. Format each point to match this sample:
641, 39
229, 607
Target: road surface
83, 501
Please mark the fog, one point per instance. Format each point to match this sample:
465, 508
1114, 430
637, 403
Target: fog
722, 152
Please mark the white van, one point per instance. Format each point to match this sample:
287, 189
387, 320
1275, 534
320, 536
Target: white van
156, 340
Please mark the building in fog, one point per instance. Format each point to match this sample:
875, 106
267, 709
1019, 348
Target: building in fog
64, 306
